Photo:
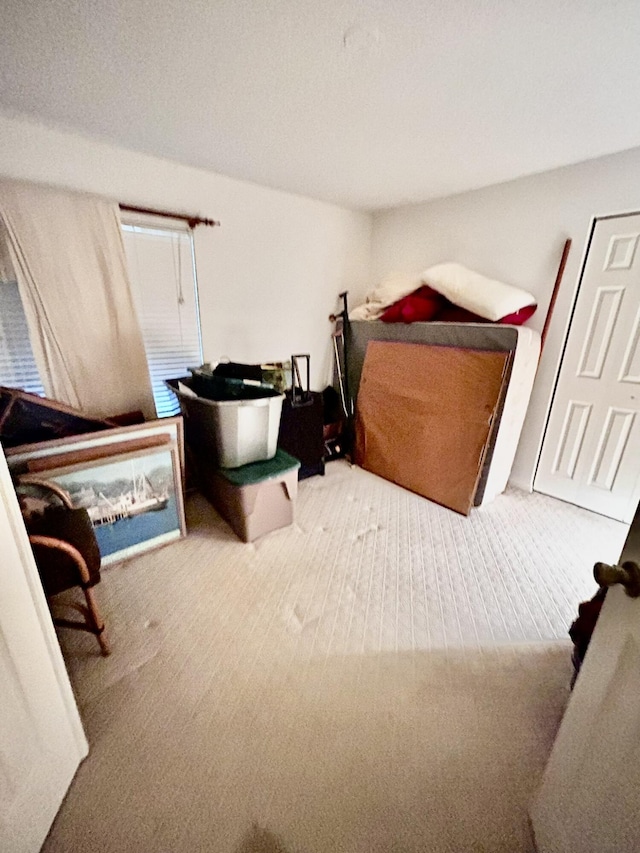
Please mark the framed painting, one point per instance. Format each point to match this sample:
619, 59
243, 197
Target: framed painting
34, 458
134, 500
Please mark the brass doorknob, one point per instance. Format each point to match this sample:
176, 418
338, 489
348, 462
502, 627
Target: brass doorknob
628, 574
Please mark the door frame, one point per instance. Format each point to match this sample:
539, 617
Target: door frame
41, 609
569, 325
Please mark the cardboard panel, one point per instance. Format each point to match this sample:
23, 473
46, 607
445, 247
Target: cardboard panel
424, 416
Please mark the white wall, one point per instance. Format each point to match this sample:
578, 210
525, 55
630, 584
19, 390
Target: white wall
268, 277
515, 232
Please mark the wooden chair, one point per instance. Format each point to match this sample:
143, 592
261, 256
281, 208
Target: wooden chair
66, 553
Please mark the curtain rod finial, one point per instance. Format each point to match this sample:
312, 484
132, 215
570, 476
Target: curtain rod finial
196, 220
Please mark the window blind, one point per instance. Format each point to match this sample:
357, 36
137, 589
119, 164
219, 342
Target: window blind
17, 363
163, 281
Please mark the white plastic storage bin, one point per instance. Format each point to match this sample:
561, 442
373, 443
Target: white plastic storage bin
230, 433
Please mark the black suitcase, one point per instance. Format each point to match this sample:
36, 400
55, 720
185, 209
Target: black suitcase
301, 424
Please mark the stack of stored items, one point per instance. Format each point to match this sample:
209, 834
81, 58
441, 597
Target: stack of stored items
231, 430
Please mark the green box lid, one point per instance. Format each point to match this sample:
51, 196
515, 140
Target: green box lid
256, 472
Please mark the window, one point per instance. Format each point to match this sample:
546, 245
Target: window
161, 266
163, 280
17, 363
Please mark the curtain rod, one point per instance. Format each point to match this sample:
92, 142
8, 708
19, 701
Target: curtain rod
191, 220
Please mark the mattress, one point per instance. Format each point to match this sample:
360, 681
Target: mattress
523, 344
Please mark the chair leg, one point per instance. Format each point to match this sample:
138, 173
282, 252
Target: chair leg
98, 622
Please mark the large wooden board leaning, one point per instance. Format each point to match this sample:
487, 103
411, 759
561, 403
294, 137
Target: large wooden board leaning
424, 417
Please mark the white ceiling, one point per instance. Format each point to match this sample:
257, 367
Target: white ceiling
367, 103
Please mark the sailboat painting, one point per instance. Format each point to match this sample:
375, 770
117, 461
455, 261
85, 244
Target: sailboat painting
134, 500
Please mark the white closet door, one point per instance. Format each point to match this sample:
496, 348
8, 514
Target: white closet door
41, 736
591, 452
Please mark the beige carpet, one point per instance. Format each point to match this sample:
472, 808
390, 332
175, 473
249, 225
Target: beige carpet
383, 676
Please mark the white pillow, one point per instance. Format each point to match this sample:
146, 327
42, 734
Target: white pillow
485, 297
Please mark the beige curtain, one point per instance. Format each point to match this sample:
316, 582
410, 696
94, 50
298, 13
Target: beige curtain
67, 252
6, 265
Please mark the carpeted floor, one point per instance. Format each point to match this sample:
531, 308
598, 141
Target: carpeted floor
383, 676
